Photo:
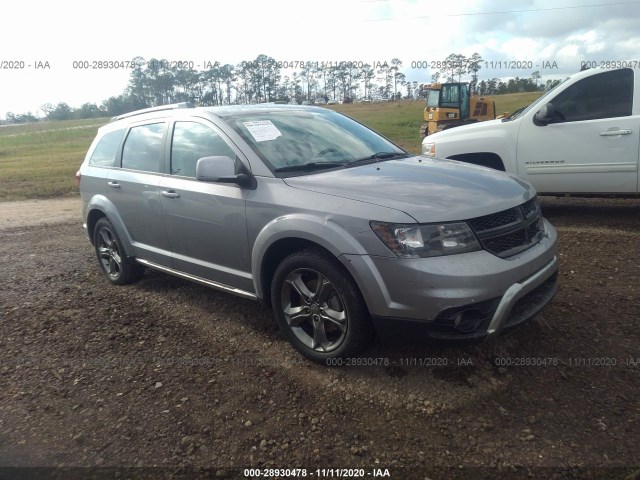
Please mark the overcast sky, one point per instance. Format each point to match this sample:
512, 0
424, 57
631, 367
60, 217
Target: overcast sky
562, 31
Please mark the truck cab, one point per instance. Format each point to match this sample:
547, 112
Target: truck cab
582, 137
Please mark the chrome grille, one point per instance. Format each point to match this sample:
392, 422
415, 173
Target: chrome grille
510, 231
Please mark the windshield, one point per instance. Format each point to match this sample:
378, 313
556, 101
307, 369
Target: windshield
433, 99
451, 95
518, 113
286, 139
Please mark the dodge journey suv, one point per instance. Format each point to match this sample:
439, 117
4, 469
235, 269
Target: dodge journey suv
342, 233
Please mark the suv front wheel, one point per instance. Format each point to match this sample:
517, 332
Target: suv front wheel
319, 308
119, 269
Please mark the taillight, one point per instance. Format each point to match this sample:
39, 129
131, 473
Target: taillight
78, 177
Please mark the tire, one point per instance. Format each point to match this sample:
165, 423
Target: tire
319, 308
119, 269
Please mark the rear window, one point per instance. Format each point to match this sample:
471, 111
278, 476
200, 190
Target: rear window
143, 148
105, 152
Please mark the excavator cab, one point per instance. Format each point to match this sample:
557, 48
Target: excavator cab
451, 104
455, 96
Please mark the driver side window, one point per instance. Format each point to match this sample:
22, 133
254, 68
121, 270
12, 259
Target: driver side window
605, 95
192, 141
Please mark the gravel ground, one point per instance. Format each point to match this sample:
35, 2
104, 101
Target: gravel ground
165, 373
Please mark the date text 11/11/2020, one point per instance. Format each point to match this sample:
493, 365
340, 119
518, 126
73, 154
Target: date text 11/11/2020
468, 65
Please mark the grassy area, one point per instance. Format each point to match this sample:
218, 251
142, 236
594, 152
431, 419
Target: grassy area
40, 160
514, 101
13, 130
400, 121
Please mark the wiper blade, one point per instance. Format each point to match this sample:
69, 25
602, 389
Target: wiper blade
309, 166
378, 156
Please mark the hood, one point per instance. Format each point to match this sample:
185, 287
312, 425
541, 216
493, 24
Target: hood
471, 128
429, 190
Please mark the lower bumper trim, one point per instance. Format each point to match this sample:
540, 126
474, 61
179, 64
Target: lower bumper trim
517, 291
520, 304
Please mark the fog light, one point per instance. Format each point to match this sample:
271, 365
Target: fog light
468, 320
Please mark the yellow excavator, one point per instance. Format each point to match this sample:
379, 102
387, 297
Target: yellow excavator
450, 105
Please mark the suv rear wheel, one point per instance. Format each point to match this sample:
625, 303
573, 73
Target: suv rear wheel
319, 308
118, 268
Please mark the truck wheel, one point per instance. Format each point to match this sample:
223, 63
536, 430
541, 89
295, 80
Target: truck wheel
119, 269
319, 308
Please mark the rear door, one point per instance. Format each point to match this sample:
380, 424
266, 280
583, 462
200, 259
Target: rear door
206, 222
592, 145
134, 190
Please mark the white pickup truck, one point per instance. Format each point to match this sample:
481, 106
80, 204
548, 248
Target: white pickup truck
583, 137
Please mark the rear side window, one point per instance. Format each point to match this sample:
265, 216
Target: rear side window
143, 148
605, 95
191, 142
107, 149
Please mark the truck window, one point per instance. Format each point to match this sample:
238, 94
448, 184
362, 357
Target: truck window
604, 95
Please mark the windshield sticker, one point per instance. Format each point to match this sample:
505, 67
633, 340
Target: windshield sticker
262, 130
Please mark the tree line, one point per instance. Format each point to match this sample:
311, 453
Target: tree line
160, 82
457, 67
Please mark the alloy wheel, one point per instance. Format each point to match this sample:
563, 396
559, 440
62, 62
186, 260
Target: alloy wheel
109, 253
314, 310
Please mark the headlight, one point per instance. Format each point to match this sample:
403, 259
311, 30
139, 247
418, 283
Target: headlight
429, 149
415, 240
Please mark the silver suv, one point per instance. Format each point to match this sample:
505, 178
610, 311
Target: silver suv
342, 233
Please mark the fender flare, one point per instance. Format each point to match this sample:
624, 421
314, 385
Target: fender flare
108, 209
319, 230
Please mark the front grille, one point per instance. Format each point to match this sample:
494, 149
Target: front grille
504, 243
510, 231
531, 207
495, 220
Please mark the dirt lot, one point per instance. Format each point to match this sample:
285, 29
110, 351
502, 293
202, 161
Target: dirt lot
167, 373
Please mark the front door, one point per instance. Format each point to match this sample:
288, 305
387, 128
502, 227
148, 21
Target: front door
592, 144
205, 222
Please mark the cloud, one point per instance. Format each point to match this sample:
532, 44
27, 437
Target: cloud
334, 30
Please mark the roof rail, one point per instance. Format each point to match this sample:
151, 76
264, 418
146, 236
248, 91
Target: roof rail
173, 106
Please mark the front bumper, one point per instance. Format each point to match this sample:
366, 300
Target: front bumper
520, 304
466, 297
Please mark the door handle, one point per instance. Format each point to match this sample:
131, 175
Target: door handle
113, 184
170, 194
615, 133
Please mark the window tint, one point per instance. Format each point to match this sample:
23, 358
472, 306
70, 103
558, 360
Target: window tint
605, 95
450, 96
107, 149
143, 148
191, 142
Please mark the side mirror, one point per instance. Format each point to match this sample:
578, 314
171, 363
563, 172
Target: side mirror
221, 169
545, 115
